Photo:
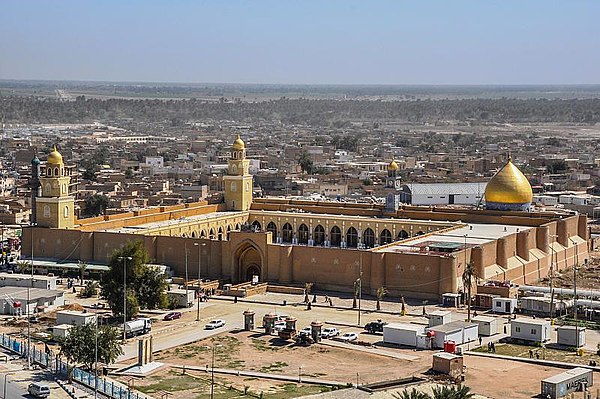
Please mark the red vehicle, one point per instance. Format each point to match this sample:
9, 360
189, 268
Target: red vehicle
172, 316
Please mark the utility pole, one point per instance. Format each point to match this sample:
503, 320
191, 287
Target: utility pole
575, 307
199, 268
186, 268
360, 272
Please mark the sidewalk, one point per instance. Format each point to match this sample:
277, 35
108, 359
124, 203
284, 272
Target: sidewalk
257, 374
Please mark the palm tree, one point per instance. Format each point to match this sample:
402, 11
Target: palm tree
453, 392
381, 292
468, 276
414, 394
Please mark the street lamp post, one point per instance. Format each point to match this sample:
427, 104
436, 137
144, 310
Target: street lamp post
6, 382
212, 372
552, 280
96, 361
199, 264
124, 259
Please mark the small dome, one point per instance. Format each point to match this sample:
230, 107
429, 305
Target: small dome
393, 166
509, 186
35, 161
54, 157
239, 144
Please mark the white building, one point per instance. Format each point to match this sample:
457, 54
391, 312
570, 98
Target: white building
75, 318
442, 193
530, 330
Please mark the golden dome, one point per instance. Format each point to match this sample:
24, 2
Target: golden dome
393, 165
509, 186
55, 157
239, 144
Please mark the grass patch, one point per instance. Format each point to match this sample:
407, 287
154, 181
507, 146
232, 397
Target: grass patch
261, 345
295, 390
277, 366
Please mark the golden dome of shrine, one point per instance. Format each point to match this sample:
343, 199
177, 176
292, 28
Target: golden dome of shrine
239, 144
393, 166
55, 158
508, 186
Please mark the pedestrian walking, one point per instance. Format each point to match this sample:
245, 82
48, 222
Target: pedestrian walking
480, 340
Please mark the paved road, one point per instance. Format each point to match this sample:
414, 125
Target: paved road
13, 389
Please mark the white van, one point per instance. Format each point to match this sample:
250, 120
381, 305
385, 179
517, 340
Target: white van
38, 390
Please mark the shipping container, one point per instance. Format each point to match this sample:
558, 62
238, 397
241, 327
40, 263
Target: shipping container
439, 317
488, 325
562, 384
567, 335
402, 333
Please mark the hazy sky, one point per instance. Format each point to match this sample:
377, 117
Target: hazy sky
280, 41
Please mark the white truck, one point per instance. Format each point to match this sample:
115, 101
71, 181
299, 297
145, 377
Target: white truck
137, 327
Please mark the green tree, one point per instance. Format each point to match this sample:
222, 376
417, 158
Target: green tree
381, 292
128, 173
453, 392
306, 164
469, 274
412, 394
90, 290
96, 204
146, 286
79, 346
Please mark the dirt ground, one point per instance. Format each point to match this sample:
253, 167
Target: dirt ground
489, 377
587, 276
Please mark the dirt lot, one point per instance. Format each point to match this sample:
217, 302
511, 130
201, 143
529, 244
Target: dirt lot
587, 276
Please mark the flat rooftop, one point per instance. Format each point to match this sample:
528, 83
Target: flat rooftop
471, 234
174, 222
20, 293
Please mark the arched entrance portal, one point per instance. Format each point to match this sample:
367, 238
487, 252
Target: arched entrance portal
249, 263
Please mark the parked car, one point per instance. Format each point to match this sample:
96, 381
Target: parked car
349, 336
214, 324
279, 325
38, 390
172, 316
282, 317
375, 326
330, 332
306, 331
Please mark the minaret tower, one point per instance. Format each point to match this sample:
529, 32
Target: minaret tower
55, 208
238, 181
34, 185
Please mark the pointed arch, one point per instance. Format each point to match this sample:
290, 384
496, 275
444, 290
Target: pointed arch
369, 238
287, 233
272, 227
352, 238
403, 235
385, 237
303, 234
319, 235
335, 236
256, 225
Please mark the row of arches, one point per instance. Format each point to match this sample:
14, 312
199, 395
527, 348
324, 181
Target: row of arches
334, 236
220, 234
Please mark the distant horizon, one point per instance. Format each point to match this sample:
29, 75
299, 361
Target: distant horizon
303, 42
412, 85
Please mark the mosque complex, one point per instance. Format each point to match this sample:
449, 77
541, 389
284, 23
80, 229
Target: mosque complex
418, 252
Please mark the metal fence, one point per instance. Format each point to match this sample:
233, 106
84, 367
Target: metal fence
60, 367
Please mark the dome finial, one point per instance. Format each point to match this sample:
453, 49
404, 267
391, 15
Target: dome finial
239, 144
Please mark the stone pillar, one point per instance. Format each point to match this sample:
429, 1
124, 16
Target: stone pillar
290, 323
543, 238
249, 320
269, 322
562, 233
448, 275
315, 330
477, 259
501, 257
582, 228
523, 244
144, 351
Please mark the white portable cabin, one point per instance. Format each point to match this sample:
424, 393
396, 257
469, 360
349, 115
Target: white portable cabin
458, 331
488, 325
439, 317
61, 330
530, 330
504, 305
75, 318
402, 333
541, 305
567, 335
184, 298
